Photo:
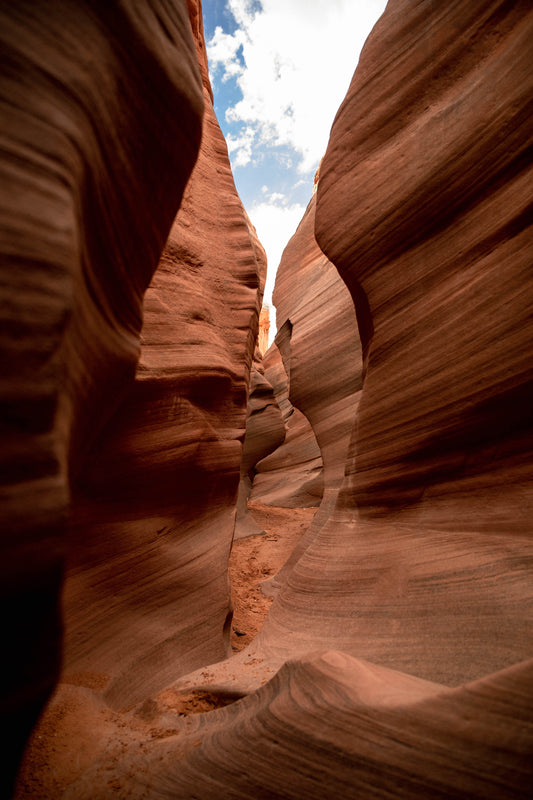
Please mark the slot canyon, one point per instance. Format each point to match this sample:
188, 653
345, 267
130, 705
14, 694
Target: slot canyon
234, 571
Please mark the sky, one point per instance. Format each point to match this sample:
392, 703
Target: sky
279, 71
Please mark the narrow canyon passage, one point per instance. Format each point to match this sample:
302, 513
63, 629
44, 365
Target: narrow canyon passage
357, 501
47, 767
257, 558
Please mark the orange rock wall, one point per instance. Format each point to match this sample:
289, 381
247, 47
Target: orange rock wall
424, 565
423, 209
419, 586
265, 432
154, 506
320, 350
321, 353
292, 475
264, 330
83, 224
395, 661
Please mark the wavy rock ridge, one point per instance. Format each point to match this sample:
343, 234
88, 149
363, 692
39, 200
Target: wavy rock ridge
424, 567
154, 508
150, 460
81, 143
321, 354
396, 659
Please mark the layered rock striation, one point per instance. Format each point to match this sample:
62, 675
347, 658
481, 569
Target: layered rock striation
95, 103
321, 353
154, 505
292, 475
423, 207
424, 567
324, 377
329, 725
395, 660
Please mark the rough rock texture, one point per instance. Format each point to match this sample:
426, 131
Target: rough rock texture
147, 591
265, 431
291, 476
95, 102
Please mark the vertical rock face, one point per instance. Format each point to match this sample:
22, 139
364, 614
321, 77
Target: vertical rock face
436, 251
264, 330
423, 206
425, 564
321, 353
154, 506
292, 475
95, 102
265, 431
312, 302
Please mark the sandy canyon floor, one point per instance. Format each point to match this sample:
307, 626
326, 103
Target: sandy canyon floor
74, 715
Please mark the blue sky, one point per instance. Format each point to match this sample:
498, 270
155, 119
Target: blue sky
279, 71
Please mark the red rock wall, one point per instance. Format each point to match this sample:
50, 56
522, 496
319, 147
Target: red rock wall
424, 570
292, 475
422, 205
424, 567
95, 102
154, 507
319, 345
320, 354
423, 208
265, 432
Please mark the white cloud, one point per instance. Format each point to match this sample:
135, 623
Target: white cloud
296, 62
292, 61
275, 221
240, 148
223, 49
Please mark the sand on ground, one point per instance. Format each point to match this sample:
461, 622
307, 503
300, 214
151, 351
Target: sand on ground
75, 727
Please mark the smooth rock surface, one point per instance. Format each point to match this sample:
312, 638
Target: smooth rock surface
292, 475
329, 725
147, 594
320, 349
321, 352
422, 205
396, 659
425, 566
265, 432
95, 103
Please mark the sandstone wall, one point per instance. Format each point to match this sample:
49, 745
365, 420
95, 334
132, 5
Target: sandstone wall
83, 224
292, 475
422, 205
147, 592
321, 353
395, 661
320, 348
424, 567
265, 432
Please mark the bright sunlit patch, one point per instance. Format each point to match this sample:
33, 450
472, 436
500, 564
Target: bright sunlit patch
275, 221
